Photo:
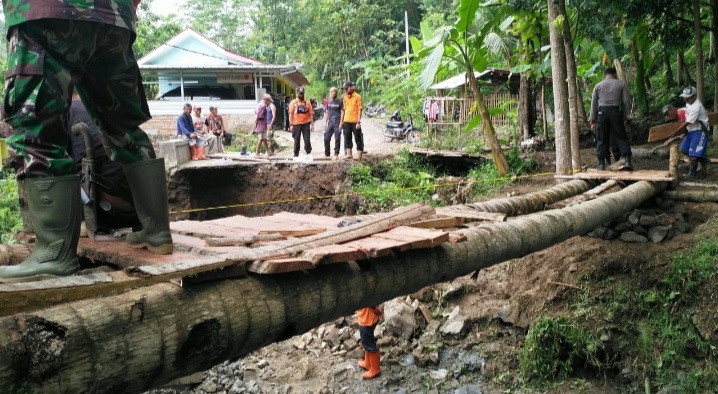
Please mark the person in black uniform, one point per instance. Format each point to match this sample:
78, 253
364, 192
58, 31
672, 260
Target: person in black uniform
610, 105
331, 125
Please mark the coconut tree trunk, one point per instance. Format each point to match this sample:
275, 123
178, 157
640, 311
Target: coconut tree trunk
699, 48
145, 338
714, 43
669, 71
573, 96
641, 94
502, 165
564, 163
544, 121
524, 107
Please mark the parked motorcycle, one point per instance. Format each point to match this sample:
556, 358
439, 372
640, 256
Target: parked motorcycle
395, 120
318, 113
404, 131
375, 110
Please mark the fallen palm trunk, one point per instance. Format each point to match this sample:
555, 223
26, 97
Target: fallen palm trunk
704, 195
589, 195
532, 202
519, 205
147, 337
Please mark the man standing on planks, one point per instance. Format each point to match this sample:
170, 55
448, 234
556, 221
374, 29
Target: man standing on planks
55, 46
610, 105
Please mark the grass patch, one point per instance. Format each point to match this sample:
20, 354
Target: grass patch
653, 328
487, 177
10, 218
556, 347
390, 183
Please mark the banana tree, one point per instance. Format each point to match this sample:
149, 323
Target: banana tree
461, 45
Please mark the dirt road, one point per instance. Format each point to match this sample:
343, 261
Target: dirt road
374, 144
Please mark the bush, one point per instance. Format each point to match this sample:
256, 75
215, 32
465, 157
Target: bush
555, 347
10, 217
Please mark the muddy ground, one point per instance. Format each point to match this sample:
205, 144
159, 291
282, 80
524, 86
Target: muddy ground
493, 308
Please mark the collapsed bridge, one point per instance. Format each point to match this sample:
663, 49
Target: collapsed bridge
131, 330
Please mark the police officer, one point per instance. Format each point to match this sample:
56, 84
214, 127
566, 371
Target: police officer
610, 105
55, 46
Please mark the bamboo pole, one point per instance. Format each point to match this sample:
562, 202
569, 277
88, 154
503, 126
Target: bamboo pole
147, 337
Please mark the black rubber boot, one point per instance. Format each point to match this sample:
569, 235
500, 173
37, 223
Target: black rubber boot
148, 183
693, 169
627, 164
56, 213
601, 165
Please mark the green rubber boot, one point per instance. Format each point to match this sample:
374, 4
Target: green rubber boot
148, 184
56, 212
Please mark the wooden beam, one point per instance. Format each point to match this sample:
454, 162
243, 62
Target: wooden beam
641, 175
661, 132
470, 214
658, 133
244, 240
295, 233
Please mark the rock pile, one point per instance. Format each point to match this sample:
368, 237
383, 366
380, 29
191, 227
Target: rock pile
645, 225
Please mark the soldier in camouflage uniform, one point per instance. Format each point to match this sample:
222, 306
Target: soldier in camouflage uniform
55, 46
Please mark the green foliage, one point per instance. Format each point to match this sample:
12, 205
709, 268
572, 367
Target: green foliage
555, 348
10, 218
388, 184
487, 177
653, 325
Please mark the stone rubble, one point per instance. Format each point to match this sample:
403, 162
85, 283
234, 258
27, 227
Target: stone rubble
645, 225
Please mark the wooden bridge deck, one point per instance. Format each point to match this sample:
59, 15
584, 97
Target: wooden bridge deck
232, 247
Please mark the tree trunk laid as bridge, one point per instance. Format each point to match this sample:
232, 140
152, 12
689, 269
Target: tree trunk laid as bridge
704, 195
138, 340
532, 202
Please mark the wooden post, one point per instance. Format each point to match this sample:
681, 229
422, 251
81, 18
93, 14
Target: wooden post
673, 160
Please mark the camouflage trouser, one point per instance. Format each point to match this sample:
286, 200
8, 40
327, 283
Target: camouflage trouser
46, 59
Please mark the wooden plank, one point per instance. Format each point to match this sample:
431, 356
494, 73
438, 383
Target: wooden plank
440, 222
295, 233
662, 132
67, 282
657, 133
456, 237
642, 175
208, 229
360, 230
471, 214
27, 297
244, 240
279, 266
435, 237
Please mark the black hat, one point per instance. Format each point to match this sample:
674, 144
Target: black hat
348, 84
300, 89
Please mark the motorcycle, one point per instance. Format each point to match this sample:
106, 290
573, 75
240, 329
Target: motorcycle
404, 131
318, 113
375, 110
395, 120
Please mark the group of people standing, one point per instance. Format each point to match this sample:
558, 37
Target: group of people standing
610, 106
343, 117
205, 134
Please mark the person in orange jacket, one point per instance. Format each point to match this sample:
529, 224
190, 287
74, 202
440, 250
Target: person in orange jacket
368, 319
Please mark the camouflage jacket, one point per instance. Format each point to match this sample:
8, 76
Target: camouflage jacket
112, 12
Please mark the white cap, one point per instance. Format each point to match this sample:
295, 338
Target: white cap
689, 92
